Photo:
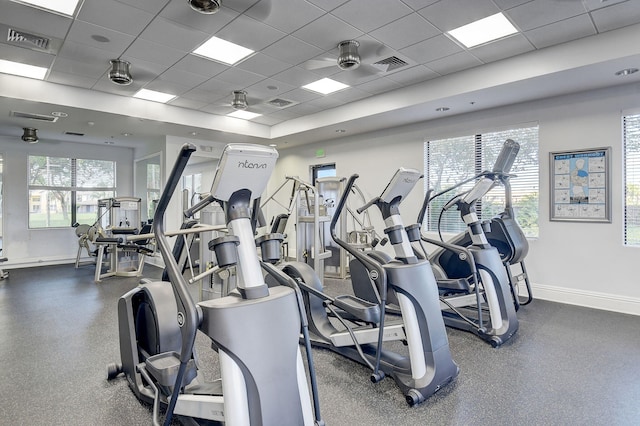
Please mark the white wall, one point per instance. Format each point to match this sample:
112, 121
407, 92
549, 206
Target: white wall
579, 263
32, 247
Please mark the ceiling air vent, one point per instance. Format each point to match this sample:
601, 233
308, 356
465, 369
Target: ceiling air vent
389, 64
39, 117
27, 40
15, 36
74, 133
280, 103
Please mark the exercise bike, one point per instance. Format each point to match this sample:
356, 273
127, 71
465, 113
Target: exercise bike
255, 329
428, 366
471, 276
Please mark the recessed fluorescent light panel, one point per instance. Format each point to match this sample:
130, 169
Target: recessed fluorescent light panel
23, 70
484, 30
224, 51
325, 86
152, 95
66, 7
245, 115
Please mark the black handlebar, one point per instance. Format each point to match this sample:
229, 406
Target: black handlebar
199, 206
187, 311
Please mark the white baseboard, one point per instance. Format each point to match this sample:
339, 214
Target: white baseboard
590, 299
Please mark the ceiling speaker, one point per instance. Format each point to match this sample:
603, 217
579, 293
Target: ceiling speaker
239, 99
119, 72
205, 6
30, 135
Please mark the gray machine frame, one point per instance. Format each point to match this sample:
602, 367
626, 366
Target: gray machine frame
429, 365
266, 386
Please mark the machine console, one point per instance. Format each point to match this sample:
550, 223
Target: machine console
401, 184
243, 166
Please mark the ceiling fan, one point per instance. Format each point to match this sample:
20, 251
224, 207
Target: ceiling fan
354, 55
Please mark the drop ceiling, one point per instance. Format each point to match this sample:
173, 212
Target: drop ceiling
562, 46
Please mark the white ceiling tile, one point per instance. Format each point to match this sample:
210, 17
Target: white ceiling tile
213, 89
617, 16
87, 69
25, 56
599, 4
367, 15
326, 31
199, 65
292, 50
510, 46
327, 4
306, 108
301, 95
71, 79
351, 95
240, 5
412, 75
269, 88
327, 102
450, 14
250, 33
379, 85
419, 4
149, 5
203, 95
183, 102
238, 79
169, 87
405, 31
562, 31
260, 63
454, 63
91, 35
115, 15
143, 71
543, 12
34, 20
360, 75
285, 15
268, 120
177, 75
508, 4
171, 34
296, 76
85, 53
152, 52
429, 50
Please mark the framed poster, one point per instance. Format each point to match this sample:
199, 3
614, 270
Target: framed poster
580, 189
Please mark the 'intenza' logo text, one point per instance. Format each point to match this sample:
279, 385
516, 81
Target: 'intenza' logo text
249, 165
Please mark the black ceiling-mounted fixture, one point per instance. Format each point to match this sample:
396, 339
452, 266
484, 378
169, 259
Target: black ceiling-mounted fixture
30, 135
119, 72
239, 99
205, 6
348, 58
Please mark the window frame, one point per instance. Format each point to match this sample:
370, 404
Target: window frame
628, 175
486, 141
73, 188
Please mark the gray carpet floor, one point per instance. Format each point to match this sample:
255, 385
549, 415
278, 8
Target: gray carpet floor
566, 365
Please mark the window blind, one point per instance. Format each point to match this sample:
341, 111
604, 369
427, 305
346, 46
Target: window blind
631, 135
450, 161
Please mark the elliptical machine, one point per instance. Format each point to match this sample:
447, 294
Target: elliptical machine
469, 270
429, 365
255, 329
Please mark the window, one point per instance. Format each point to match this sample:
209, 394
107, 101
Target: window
631, 127
322, 170
448, 162
63, 191
153, 188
